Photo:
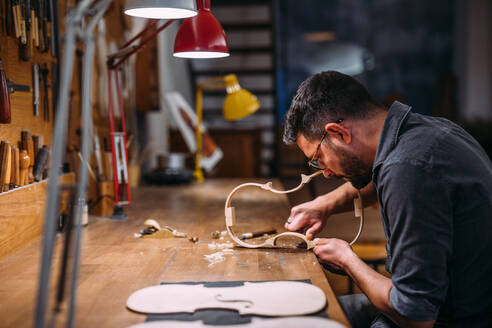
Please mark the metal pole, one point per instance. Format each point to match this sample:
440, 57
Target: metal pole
83, 177
53, 187
58, 147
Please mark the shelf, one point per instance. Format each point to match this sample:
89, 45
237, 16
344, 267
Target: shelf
22, 214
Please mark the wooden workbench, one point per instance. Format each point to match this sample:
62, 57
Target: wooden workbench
115, 263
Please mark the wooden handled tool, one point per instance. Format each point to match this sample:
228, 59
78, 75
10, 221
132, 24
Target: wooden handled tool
15, 167
37, 145
41, 160
5, 116
24, 162
6, 165
249, 235
28, 145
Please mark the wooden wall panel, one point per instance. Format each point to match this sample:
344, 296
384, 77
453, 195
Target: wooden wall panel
21, 217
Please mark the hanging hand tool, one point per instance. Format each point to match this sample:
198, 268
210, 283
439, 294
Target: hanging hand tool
28, 145
55, 28
17, 18
42, 26
13, 87
5, 116
22, 22
12, 168
44, 82
41, 161
37, 145
66, 165
35, 79
16, 15
8, 17
15, 167
24, 162
35, 23
55, 66
4, 17
25, 46
5, 169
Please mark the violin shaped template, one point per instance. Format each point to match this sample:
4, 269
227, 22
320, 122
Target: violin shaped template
273, 298
291, 322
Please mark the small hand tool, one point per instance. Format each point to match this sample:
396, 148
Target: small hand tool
5, 116
43, 39
16, 167
24, 161
41, 161
37, 145
35, 80
13, 165
44, 82
28, 145
35, 23
25, 46
13, 87
249, 235
8, 17
22, 22
16, 14
5, 165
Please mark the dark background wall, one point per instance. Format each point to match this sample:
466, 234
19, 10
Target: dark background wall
400, 49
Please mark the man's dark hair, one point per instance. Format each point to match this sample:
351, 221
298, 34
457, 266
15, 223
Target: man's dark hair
326, 97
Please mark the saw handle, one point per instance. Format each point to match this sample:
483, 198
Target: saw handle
5, 116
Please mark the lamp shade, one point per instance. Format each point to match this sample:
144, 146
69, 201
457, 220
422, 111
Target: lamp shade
201, 36
161, 9
238, 103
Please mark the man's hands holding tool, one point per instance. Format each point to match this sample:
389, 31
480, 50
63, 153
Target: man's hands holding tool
333, 253
311, 214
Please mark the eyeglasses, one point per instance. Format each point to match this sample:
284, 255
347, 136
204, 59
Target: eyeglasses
314, 162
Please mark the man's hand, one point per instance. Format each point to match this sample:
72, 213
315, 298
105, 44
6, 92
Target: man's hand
311, 214
333, 252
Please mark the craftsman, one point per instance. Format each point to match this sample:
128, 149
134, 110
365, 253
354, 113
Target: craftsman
433, 182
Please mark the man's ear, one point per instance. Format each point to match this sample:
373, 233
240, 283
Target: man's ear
338, 132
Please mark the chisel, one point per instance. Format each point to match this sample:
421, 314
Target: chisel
16, 168
13, 165
35, 80
24, 161
36, 141
249, 235
6, 166
28, 145
41, 160
5, 116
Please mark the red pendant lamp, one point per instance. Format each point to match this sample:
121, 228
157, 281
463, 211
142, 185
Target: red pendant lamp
201, 36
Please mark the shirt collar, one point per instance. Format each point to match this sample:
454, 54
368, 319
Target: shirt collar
388, 139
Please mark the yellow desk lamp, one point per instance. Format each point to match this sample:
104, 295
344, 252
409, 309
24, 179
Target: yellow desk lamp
238, 103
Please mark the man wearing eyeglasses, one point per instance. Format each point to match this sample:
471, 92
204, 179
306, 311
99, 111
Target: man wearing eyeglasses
433, 182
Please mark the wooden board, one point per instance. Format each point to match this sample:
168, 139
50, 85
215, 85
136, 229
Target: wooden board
115, 264
21, 217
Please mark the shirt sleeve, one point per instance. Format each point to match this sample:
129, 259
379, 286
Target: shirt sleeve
419, 212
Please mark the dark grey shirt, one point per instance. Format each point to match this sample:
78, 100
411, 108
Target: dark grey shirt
434, 185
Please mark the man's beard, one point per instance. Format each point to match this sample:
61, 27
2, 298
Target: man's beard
354, 169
